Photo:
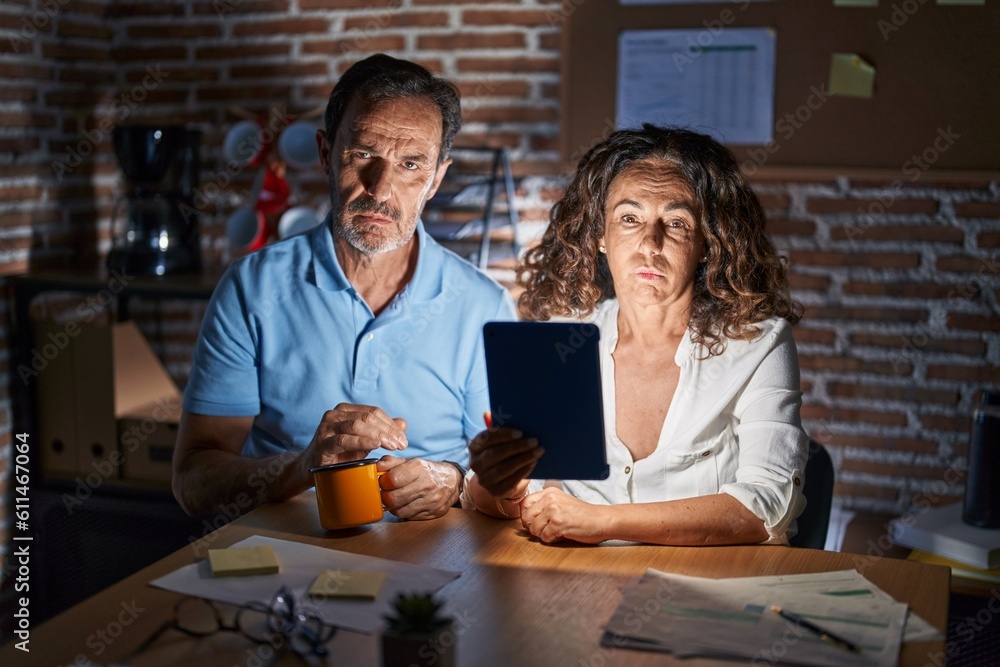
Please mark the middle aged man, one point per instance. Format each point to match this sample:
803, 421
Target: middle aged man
303, 339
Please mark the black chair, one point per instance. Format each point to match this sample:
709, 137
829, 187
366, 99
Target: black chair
818, 490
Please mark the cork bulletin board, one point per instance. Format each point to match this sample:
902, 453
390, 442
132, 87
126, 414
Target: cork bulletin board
935, 104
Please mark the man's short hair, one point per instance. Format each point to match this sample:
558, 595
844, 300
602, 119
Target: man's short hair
381, 77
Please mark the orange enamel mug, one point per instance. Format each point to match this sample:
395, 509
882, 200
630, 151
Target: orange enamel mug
348, 494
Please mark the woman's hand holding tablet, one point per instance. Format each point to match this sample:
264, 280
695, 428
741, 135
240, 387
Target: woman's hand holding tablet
545, 381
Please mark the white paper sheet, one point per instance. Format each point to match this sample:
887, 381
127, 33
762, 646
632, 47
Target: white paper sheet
840, 519
731, 617
300, 565
845, 583
716, 81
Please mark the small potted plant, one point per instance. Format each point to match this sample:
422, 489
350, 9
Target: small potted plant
417, 635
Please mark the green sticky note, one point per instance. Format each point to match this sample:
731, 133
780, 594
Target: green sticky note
850, 75
243, 561
345, 584
855, 3
961, 2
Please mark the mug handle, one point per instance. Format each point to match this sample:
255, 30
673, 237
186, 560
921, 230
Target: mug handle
378, 475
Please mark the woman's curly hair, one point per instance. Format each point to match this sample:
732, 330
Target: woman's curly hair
742, 282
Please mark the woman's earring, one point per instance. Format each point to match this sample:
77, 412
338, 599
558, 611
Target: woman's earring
601, 249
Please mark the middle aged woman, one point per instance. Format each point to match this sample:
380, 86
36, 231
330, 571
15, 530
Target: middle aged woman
660, 241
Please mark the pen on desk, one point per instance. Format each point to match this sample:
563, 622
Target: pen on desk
825, 635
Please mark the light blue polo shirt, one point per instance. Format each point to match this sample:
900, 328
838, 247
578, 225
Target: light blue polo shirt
286, 338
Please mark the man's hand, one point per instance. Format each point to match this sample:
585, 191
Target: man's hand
349, 432
417, 488
552, 515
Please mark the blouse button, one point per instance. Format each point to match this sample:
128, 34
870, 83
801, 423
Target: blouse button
796, 481
369, 336
628, 469
706, 452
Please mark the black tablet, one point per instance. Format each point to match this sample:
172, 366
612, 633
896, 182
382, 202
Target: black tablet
545, 380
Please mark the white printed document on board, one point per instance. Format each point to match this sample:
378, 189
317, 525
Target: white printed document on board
714, 80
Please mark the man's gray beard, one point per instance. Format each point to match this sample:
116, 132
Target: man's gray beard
357, 240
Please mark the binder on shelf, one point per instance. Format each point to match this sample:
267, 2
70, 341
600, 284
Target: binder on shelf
147, 438
56, 403
957, 569
941, 531
103, 374
96, 387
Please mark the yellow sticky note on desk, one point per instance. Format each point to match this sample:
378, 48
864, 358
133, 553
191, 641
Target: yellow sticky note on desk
850, 75
243, 561
347, 584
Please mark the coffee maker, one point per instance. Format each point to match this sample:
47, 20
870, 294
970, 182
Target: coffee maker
157, 232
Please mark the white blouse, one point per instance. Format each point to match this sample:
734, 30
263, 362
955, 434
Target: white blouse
733, 427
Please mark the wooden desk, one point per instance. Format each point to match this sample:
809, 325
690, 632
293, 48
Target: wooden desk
521, 602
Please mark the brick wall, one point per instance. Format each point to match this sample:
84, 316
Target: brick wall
900, 283
899, 279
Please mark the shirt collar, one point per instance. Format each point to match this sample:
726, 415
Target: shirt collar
425, 285
325, 267
685, 349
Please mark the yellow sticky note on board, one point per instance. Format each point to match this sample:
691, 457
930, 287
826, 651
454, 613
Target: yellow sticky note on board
346, 584
243, 561
850, 75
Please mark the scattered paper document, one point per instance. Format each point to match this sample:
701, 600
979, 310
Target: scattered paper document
300, 565
720, 82
693, 616
843, 583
